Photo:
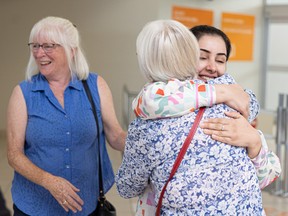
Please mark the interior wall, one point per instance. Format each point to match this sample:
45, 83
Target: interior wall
108, 29
246, 73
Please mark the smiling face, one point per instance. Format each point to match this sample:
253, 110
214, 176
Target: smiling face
51, 64
213, 57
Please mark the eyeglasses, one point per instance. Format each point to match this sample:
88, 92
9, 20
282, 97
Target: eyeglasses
47, 47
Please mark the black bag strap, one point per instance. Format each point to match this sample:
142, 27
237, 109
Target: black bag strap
89, 95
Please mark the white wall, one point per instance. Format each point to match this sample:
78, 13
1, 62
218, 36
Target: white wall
109, 29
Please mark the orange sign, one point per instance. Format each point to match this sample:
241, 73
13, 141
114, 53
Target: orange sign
240, 30
191, 17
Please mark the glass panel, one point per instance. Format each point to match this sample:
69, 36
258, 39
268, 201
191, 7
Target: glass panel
276, 84
277, 44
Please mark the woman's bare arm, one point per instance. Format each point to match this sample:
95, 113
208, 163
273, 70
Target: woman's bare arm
60, 188
115, 135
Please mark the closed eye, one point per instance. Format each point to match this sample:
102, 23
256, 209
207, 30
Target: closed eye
221, 62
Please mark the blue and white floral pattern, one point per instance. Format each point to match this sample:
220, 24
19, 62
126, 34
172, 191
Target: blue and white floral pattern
213, 179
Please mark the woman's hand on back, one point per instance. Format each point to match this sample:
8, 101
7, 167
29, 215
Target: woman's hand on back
236, 131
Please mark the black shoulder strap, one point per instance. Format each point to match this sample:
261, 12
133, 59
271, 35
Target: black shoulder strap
89, 95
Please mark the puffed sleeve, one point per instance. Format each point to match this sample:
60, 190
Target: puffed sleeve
267, 164
172, 99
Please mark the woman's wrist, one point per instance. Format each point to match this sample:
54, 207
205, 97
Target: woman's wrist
255, 145
222, 93
46, 180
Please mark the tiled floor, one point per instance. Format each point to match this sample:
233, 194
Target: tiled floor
274, 205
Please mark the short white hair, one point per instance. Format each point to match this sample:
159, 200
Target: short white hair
59, 31
166, 49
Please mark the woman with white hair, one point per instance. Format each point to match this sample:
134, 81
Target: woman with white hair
52, 133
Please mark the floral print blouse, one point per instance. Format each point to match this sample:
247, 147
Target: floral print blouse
176, 98
213, 179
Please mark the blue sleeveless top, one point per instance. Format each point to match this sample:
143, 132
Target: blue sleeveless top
64, 143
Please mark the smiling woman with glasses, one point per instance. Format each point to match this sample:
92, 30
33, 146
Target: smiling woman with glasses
53, 138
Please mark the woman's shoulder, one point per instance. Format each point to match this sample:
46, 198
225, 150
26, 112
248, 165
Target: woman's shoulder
35, 80
224, 79
92, 76
161, 125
